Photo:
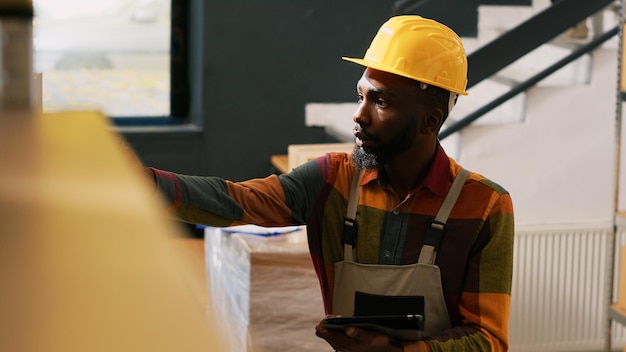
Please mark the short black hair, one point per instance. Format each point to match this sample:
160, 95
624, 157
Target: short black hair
438, 98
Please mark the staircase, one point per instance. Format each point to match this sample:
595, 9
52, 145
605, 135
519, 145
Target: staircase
554, 148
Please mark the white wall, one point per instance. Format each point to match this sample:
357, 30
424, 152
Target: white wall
559, 164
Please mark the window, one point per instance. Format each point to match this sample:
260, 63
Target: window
116, 56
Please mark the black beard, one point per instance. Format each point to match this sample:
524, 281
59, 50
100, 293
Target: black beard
365, 160
370, 160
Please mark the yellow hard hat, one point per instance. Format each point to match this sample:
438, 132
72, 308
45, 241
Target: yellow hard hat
421, 49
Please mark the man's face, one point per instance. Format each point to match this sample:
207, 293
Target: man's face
388, 117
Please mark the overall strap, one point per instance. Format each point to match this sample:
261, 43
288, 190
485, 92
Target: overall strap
349, 223
435, 231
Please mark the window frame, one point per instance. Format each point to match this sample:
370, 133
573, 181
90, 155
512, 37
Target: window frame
185, 90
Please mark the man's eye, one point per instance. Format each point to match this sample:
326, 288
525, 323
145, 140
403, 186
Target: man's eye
381, 103
359, 98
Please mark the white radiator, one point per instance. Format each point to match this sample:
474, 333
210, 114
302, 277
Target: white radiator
562, 288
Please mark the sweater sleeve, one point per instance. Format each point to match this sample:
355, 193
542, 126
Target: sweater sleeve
214, 201
271, 201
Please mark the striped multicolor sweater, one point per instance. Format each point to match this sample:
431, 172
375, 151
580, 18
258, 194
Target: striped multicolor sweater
475, 256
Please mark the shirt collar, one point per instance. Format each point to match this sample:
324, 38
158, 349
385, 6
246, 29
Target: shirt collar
438, 175
436, 179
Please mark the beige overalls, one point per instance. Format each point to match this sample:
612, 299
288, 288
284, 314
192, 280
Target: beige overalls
420, 279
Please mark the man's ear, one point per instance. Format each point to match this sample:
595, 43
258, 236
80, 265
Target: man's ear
432, 121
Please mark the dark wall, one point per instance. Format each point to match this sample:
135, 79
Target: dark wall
507, 2
261, 62
460, 15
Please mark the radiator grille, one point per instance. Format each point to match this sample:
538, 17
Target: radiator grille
560, 293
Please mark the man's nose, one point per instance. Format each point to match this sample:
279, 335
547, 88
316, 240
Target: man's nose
361, 115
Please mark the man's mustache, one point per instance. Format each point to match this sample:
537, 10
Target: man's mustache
359, 129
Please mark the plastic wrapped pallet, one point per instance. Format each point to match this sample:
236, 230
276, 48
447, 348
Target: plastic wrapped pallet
265, 290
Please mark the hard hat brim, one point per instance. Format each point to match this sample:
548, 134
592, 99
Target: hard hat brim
382, 67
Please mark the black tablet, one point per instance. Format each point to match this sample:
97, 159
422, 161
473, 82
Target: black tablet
400, 327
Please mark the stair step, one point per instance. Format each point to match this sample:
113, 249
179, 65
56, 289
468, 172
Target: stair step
576, 72
512, 111
494, 20
336, 118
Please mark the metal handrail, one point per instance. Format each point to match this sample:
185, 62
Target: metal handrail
596, 42
527, 36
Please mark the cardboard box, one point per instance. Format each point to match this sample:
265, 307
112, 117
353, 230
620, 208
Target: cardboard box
265, 290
